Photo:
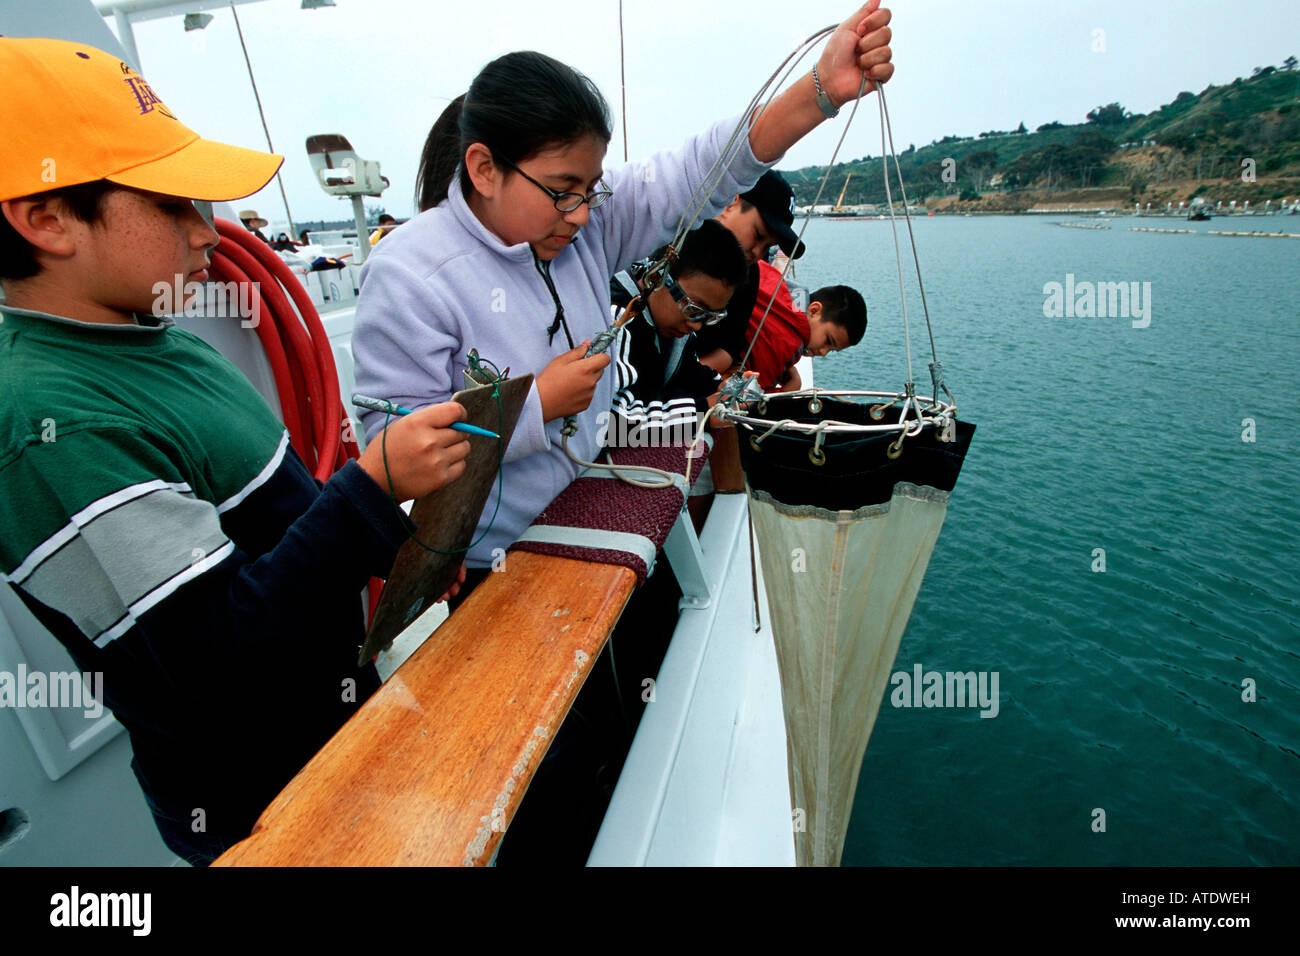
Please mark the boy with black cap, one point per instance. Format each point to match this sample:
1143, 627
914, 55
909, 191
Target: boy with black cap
759, 219
153, 515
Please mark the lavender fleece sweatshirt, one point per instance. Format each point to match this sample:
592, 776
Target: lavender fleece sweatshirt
443, 284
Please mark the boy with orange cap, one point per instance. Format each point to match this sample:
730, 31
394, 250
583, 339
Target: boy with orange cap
153, 515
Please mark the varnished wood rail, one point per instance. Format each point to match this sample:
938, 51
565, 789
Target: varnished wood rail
430, 771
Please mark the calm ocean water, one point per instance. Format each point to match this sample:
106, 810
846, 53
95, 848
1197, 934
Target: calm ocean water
1121, 690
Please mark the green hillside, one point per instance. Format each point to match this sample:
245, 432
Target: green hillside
1197, 137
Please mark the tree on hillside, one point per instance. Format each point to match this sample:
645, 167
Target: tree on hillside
979, 165
1051, 125
1092, 146
1184, 97
1021, 127
929, 172
1289, 63
1112, 114
1026, 168
1180, 138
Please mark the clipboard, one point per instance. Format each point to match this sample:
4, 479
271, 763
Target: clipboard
446, 518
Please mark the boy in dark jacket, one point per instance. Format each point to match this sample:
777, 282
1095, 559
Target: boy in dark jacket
660, 385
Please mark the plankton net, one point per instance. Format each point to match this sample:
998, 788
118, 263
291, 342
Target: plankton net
847, 493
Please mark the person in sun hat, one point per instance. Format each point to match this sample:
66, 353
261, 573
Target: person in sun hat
153, 515
254, 223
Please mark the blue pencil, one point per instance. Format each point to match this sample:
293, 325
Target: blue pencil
379, 405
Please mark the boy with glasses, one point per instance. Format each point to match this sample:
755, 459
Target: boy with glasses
659, 380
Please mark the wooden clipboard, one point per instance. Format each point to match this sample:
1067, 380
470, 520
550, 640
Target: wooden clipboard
446, 518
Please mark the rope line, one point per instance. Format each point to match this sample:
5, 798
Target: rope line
704, 192
789, 262
907, 215
898, 255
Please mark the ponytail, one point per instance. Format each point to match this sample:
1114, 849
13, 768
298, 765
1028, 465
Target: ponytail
440, 157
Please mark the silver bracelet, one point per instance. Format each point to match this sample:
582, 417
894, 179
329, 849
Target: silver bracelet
823, 100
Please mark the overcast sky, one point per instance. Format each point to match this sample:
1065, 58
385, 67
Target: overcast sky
380, 71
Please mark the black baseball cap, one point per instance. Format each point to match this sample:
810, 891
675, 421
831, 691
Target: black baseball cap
774, 200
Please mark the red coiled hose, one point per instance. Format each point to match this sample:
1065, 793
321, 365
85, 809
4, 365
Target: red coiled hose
298, 350
296, 346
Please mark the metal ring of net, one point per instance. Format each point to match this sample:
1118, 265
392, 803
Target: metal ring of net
917, 413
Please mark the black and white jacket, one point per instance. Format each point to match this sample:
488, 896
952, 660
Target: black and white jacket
659, 382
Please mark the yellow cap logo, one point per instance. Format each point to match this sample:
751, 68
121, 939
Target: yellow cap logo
146, 97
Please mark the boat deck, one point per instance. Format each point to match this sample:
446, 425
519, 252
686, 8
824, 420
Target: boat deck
704, 783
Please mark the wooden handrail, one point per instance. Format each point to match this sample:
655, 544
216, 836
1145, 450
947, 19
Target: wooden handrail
430, 771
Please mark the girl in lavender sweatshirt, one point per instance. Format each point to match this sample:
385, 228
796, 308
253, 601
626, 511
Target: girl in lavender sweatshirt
520, 229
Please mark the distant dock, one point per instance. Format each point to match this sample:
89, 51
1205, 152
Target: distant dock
1218, 232
1256, 235
1074, 211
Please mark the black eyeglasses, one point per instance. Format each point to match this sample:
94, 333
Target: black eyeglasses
568, 202
692, 310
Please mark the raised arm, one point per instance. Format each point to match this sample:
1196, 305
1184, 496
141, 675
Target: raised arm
650, 196
860, 46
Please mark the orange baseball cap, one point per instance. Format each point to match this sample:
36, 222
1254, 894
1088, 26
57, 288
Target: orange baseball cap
73, 114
